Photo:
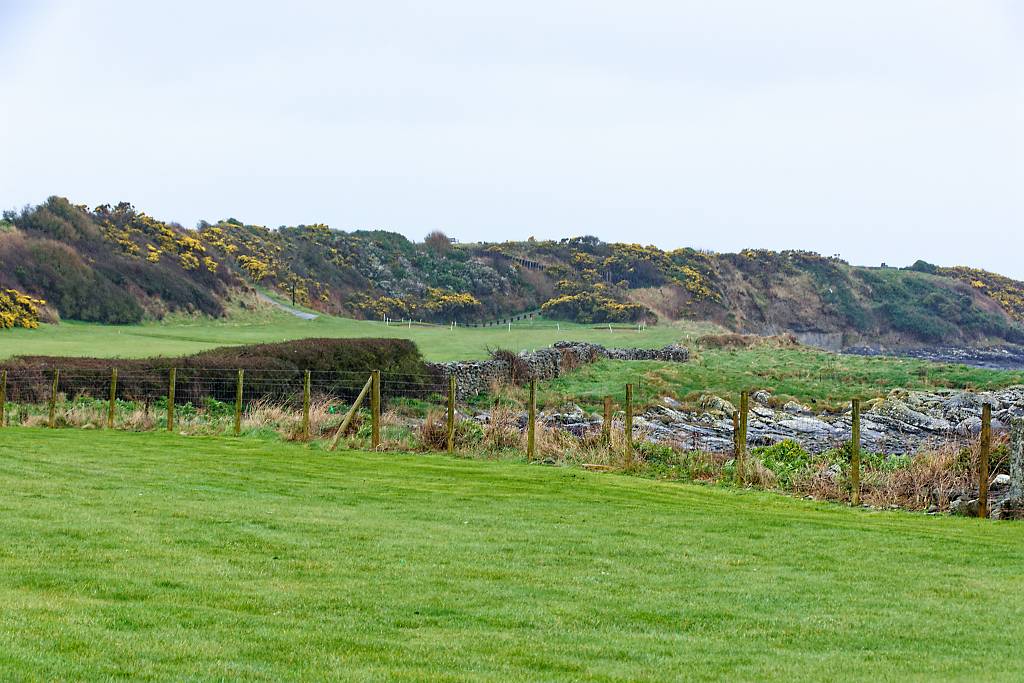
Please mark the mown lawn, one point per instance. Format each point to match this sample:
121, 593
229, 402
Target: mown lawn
183, 335
157, 556
819, 379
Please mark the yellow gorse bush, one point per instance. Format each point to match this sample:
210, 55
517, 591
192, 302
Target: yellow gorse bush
256, 269
1009, 293
18, 309
443, 301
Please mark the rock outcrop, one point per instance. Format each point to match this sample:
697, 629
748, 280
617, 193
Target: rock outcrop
901, 423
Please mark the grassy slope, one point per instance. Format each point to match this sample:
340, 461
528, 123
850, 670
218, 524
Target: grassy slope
823, 380
189, 335
151, 555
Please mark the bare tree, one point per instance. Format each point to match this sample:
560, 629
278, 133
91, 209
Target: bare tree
438, 243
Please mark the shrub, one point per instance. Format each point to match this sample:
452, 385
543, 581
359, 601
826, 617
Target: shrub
339, 367
593, 307
502, 431
433, 432
438, 243
656, 453
785, 459
922, 266
18, 309
843, 455
448, 305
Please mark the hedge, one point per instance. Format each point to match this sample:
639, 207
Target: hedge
339, 368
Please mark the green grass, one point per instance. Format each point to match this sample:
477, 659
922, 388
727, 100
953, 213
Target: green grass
183, 335
822, 380
153, 556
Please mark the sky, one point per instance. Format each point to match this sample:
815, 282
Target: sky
879, 130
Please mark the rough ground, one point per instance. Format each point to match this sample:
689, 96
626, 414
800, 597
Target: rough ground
303, 315
902, 422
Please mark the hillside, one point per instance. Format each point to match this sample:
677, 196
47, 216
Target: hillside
119, 265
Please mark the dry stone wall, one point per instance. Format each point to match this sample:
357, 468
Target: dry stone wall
476, 377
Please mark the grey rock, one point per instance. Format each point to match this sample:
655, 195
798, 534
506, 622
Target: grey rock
794, 408
964, 506
902, 412
969, 427
807, 425
718, 404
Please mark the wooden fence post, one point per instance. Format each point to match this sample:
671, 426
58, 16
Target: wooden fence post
305, 408
112, 406
172, 377
855, 453
628, 427
736, 436
53, 399
531, 423
986, 446
606, 424
351, 413
451, 414
1017, 458
741, 453
375, 411
238, 402
3, 398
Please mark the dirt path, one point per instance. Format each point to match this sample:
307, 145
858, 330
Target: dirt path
294, 311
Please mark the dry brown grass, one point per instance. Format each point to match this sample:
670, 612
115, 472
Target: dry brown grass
518, 369
746, 341
502, 432
757, 475
287, 421
433, 432
569, 361
929, 480
933, 477
138, 420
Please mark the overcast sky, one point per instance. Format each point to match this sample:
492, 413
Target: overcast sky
885, 130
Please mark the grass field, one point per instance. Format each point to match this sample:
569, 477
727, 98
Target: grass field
182, 335
157, 556
822, 380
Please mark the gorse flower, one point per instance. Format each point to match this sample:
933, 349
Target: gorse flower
18, 309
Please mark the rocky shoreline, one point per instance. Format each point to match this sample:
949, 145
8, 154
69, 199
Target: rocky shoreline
994, 358
900, 424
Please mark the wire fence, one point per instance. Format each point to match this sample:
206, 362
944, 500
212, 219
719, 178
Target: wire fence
526, 321
53, 395
201, 385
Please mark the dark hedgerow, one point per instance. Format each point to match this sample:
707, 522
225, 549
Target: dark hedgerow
339, 368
